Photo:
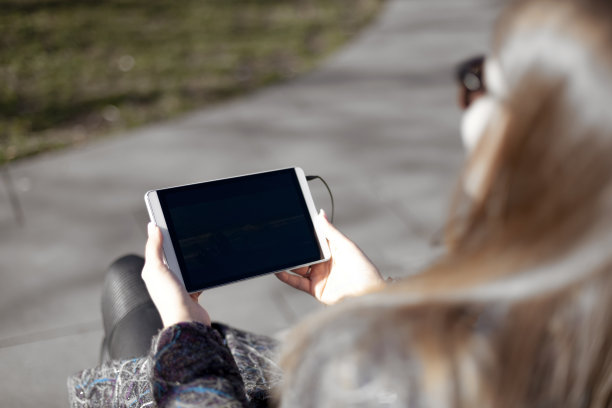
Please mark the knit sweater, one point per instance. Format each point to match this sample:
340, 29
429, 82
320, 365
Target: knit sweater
189, 365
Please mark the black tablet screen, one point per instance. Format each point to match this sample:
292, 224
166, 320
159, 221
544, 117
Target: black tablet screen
232, 229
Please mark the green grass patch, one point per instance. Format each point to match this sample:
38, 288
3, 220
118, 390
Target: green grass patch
75, 69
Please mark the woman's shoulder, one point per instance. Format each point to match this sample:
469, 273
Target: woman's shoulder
476, 350
376, 350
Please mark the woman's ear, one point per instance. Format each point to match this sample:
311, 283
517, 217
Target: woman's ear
484, 130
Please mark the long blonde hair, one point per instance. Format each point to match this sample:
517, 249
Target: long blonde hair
517, 312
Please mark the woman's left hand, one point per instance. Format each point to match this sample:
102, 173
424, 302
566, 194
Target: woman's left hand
169, 295
349, 272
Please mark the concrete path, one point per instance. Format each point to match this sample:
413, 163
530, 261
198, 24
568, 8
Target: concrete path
378, 121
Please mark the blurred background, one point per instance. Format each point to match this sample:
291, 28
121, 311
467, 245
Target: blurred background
101, 101
73, 70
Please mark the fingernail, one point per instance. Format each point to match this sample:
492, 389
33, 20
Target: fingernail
150, 228
322, 213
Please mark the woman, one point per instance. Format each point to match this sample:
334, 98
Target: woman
516, 314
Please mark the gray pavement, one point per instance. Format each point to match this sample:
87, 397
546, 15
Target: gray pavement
377, 120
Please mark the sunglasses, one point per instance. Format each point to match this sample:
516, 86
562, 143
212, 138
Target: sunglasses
470, 76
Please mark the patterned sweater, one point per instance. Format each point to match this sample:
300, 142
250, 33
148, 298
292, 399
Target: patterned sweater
189, 365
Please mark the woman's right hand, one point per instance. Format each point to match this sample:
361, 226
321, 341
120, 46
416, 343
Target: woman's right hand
349, 272
169, 295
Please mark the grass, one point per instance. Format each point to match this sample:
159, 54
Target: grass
72, 70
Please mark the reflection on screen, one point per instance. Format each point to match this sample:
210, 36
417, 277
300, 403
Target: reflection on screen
237, 228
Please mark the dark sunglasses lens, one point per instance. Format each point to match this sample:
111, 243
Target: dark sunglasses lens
472, 81
469, 74
470, 77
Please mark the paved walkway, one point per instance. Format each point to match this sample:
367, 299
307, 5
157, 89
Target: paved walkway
378, 121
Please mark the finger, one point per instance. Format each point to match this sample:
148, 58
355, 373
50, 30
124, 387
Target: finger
301, 271
295, 281
323, 214
153, 249
195, 296
319, 269
330, 230
319, 288
335, 238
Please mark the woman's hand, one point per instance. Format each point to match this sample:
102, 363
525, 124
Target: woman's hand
171, 299
348, 273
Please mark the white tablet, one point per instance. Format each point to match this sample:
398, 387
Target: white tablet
227, 230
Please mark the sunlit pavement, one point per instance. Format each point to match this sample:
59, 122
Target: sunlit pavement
378, 121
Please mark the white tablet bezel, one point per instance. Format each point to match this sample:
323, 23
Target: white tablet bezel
157, 216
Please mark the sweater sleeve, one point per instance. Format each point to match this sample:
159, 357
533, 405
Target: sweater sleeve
191, 366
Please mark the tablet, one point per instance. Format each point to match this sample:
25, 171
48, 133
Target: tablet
226, 230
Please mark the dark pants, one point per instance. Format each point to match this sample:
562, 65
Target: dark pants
129, 316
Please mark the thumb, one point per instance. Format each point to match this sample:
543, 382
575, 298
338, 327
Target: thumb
330, 230
153, 249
